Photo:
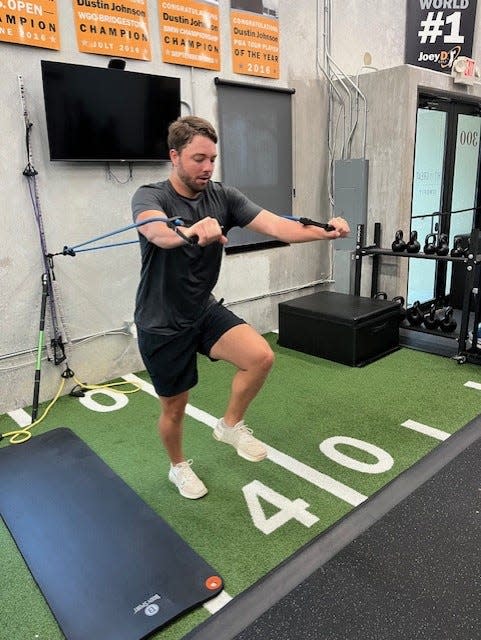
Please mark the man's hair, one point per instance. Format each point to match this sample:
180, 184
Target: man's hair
182, 130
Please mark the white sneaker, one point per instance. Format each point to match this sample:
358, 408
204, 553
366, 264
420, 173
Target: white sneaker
186, 481
241, 438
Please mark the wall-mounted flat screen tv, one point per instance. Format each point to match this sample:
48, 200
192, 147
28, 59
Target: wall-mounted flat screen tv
102, 114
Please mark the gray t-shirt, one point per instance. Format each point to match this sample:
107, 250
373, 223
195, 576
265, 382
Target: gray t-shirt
176, 284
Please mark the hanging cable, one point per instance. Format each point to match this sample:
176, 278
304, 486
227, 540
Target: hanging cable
59, 340
111, 175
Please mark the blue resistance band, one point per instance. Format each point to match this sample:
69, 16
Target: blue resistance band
173, 223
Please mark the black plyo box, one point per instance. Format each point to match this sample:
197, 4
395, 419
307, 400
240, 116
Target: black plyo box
345, 328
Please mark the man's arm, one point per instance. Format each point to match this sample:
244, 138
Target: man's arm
158, 232
288, 231
207, 231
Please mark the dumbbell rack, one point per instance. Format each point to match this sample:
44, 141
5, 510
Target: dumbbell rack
472, 263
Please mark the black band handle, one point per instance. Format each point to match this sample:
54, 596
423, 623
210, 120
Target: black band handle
175, 224
314, 223
193, 240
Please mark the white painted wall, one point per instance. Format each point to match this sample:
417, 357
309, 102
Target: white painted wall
371, 26
78, 202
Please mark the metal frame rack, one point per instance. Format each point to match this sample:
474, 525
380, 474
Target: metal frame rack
472, 264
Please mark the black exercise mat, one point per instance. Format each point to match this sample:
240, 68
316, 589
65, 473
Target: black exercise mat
109, 567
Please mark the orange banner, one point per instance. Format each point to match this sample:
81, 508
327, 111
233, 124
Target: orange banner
255, 44
113, 28
32, 23
190, 33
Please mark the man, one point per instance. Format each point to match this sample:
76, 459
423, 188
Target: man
176, 314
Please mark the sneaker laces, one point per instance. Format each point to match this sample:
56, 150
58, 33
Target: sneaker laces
186, 473
245, 432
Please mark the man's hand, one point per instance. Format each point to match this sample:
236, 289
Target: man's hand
341, 228
208, 230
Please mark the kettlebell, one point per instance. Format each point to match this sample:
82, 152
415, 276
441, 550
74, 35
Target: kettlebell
448, 323
380, 295
430, 244
457, 251
413, 245
402, 311
431, 321
414, 314
398, 244
442, 247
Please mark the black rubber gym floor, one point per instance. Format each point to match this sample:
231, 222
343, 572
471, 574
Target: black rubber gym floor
403, 565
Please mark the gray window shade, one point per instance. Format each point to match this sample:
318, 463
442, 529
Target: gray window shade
255, 140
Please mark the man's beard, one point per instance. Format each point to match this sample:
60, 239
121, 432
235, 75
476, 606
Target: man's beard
190, 183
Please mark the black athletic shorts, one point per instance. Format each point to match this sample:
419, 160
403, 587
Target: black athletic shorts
171, 361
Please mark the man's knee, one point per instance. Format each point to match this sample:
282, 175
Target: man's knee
265, 358
173, 407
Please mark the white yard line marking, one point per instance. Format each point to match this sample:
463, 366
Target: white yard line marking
426, 430
21, 417
473, 385
218, 602
316, 478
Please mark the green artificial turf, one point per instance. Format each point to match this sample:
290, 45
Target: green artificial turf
305, 401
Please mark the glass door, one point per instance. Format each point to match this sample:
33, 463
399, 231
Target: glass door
430, 151
465, 179
446, 179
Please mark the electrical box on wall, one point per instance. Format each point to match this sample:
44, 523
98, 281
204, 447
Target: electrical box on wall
465, 70
350, 195
350, 202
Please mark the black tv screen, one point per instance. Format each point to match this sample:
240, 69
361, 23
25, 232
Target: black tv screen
102, 114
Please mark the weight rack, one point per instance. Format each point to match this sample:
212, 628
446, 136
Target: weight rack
472, 264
